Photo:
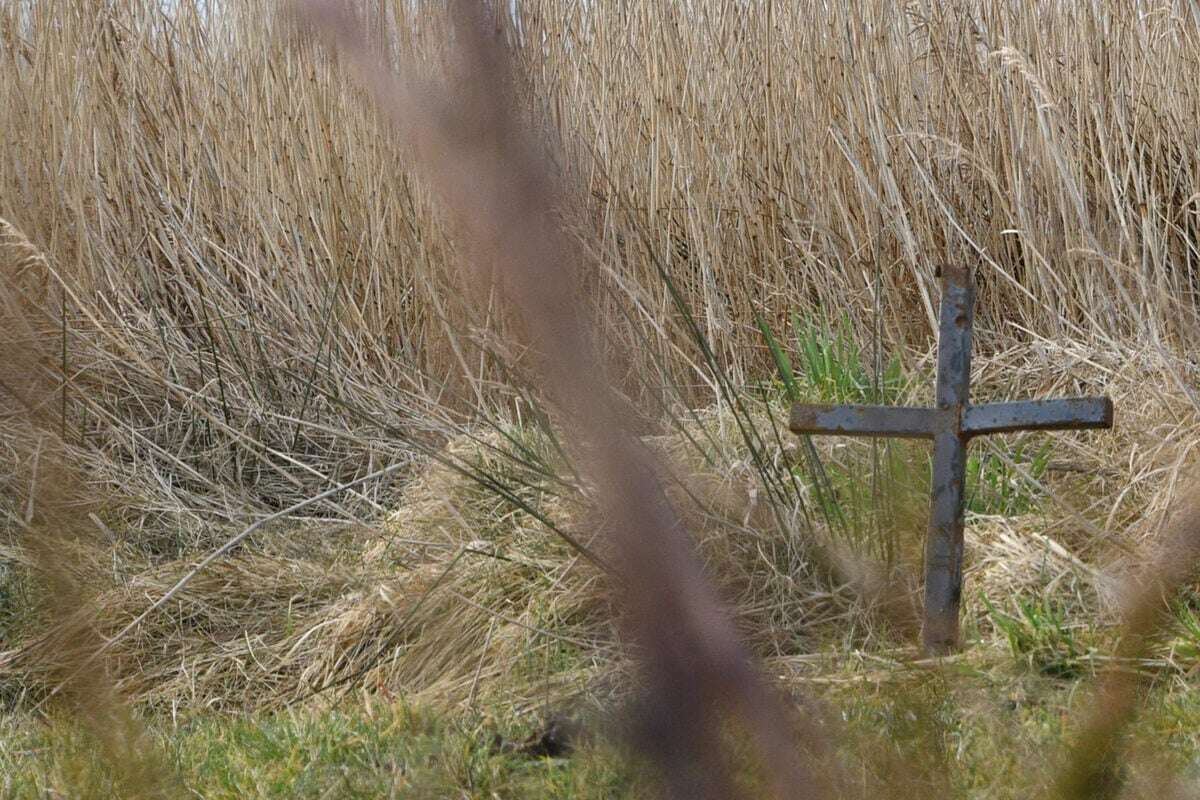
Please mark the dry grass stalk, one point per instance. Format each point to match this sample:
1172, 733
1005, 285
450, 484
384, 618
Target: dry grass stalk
1093, 769
53, 528
495, 178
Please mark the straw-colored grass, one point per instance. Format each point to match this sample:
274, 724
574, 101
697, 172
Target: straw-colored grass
261, 301
462, 594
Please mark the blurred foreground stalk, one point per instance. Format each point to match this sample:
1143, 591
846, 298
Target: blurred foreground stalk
495, 177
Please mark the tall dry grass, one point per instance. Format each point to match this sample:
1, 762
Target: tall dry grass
259, 294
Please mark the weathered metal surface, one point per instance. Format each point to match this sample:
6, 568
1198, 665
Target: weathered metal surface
951, 424
943, 545
858, 420
1039, 415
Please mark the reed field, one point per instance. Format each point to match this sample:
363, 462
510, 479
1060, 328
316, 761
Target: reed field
242, 344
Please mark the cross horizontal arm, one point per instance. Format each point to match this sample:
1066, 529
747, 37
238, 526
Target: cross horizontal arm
1038, 415
858, 420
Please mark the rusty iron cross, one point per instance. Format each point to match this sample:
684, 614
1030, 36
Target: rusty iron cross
951, 424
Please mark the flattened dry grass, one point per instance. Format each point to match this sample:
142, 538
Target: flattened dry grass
463, 594
423, 605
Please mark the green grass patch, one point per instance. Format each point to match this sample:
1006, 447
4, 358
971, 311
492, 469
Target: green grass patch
830, 366
1039, 636
355, 751
975, 728
980, 730
1003, 475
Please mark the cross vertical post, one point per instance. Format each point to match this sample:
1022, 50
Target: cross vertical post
944, 544
951, 424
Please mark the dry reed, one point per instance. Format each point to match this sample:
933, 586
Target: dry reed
258, 308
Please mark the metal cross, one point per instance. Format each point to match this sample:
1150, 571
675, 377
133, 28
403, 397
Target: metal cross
951, 424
